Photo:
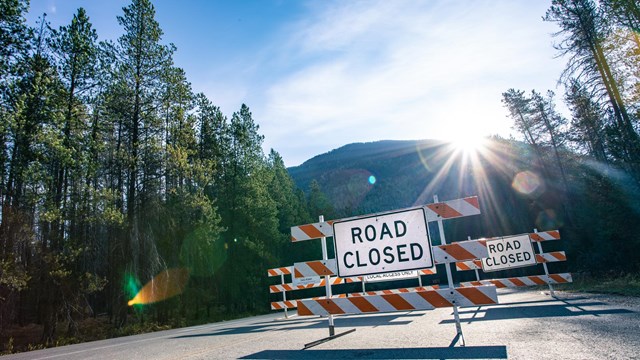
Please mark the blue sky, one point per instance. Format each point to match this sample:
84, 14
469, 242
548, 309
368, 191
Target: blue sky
321, 74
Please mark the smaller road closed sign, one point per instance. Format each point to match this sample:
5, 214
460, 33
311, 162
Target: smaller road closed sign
509, 252
382, 243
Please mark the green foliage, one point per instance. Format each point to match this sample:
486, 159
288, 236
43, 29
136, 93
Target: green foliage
619, 284
112, 170
12, 276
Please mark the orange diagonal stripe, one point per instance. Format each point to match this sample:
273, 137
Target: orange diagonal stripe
498, 283
444, 210
398, 302
319, 268
476, 296
540, 258
558, 278
535, 237
537, 280
330, 306
311, 231
303, 310
462, 266
434, 298
275, 306
559, 255
473, 201
517, 282
554, 233
272, 272
363, 304
297, 273
457, 252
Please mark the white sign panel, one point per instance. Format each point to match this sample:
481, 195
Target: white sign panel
398, 275
382, 243
509, 252
305, 280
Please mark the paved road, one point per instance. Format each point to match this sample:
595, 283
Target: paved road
527, 325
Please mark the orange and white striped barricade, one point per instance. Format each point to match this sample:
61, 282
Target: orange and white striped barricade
287, 270
475, 264
315, 268
452, 209
437, 211
445, 254
458, 251
544, 235
431, 271
539, 258
332, 281
281, 271
292, 304
553, 256
520, 281
410, 301
284, 305
538, 238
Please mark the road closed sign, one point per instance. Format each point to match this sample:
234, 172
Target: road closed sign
509, 252
382, 243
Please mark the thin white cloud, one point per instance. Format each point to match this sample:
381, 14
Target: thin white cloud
407, 70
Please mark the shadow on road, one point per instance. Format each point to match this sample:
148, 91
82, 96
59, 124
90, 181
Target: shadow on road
469, 352
521, 311
310, 323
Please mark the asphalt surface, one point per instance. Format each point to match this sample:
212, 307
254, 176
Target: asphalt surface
526, 325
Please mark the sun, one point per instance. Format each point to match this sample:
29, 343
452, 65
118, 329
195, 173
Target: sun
469, 144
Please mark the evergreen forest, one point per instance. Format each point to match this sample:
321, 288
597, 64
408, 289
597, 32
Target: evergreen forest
113, 170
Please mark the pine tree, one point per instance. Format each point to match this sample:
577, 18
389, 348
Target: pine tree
588, 129
584, 29
142, 63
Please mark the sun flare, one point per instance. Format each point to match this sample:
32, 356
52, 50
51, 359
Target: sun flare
469, 144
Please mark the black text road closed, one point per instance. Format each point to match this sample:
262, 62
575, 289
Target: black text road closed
509, 252
382, 243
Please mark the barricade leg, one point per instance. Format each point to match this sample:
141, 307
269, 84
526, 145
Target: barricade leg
544, 265
326, 279
449, 279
